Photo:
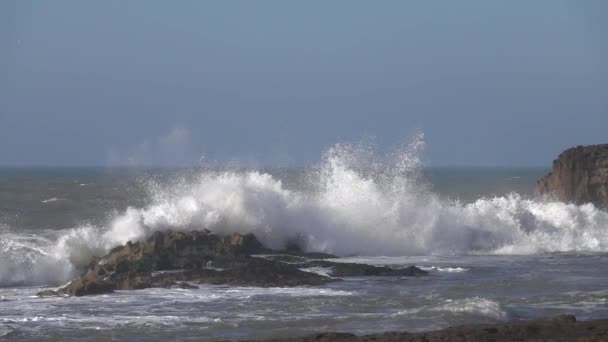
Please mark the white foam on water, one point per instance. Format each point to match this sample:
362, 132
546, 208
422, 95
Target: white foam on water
5, 331
110, 321
324, 271
213, 293
473, 306
573, 301
53, 199
443, 269
357, 202
26, 259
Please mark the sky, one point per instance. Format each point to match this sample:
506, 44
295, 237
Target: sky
111, 83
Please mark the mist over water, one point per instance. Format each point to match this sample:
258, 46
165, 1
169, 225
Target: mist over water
355, 201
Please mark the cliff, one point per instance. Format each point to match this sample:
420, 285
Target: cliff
579, 175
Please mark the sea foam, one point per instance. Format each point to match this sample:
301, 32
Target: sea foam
473, 306
355, 203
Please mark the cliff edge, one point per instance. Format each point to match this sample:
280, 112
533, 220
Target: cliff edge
579, 175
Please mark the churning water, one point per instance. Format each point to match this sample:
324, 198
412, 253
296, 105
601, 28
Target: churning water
494, 250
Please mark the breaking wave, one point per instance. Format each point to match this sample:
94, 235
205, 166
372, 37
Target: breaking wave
53, 199
356, 202
443, 269
473, 306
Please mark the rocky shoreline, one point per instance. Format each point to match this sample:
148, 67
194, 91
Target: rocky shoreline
184, 259
559, 328
579, 175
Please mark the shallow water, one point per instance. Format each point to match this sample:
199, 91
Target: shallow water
459, 290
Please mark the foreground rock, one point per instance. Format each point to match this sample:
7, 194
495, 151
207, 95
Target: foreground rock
560, 328
579, 175
180, 258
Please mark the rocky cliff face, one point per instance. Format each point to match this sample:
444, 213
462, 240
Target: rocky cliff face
579, 175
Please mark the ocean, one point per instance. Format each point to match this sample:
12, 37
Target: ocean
494, 250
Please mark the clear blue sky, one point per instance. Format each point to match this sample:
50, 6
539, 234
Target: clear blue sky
118, 82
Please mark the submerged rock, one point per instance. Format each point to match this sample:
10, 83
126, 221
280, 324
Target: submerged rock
347, 269
171, 258
579, 175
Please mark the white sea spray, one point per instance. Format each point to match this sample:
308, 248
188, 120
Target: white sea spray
357, 202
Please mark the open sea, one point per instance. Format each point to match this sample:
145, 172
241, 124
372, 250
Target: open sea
494, 250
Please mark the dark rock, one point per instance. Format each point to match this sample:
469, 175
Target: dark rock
173, 259
298, 258
186, 286
314, 255
579, 175
347, 269
329, 337
560, 328
265, 273
287, 258
343, 269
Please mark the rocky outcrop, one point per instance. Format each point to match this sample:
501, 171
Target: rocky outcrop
181, 258
560, 328
348, 269
579, 175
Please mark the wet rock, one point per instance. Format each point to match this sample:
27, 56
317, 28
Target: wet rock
260, 272
176, 259
343, 269
346, 269
560, 328
579, 175
172, 258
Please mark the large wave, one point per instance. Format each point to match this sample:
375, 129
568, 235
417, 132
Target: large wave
355, 202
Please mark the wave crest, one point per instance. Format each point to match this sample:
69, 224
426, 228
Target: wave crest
355, 203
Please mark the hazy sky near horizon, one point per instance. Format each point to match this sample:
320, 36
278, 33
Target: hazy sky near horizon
490, 83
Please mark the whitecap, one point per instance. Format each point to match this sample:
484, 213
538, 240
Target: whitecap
356, 203
473, 306
324, 271
53, 199
444, 269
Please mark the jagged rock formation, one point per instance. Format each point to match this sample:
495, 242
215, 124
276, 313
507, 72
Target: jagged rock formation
347, 269
560, 328
180, 258
579, 175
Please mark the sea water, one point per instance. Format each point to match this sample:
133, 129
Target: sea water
493, 249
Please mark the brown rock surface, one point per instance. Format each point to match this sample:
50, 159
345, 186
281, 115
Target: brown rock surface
579, 175
560, 328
